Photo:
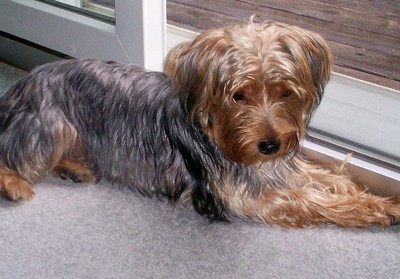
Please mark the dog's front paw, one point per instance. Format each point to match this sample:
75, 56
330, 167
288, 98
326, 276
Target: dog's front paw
15, 188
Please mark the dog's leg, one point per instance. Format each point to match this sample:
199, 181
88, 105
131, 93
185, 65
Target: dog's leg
75, 165
13, 186
74, 170
311, 195
31, 144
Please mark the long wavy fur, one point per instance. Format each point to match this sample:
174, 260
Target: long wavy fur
220, 129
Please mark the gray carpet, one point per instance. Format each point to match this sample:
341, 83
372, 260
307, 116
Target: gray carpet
99, 231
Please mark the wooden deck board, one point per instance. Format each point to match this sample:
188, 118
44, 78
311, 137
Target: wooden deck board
364, 35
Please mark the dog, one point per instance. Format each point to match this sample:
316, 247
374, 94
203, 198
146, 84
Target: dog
220, 128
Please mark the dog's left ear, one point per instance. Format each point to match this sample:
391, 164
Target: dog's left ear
313, 64
320, 62
320, 59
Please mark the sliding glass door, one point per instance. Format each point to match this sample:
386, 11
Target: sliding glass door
129, 31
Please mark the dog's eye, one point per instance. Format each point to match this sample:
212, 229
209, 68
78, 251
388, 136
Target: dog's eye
239, 98
287, 93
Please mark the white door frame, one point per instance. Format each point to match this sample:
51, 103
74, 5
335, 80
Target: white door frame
138, 37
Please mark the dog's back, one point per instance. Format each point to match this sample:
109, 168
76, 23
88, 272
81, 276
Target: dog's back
103, 116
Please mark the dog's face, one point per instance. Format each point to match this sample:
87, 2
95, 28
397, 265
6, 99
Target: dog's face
252, 88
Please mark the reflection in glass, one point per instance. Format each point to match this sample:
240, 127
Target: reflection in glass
101, 9
105, 7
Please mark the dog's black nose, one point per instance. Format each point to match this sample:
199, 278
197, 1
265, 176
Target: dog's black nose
269, 147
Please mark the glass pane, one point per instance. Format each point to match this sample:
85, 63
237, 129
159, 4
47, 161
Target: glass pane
101, 9
105, 7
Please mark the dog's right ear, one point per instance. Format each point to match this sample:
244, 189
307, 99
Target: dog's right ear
194, 69
180, 67
175, 59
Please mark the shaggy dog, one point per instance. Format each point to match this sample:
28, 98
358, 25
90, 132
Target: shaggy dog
221, 129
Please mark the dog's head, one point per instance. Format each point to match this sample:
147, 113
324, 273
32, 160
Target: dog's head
252, 88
